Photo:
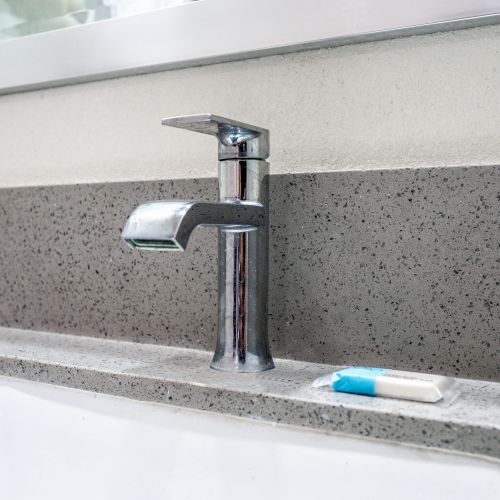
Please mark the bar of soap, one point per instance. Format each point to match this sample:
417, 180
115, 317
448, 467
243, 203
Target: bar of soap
388, 383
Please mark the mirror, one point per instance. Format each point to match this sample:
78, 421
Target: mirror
27, 17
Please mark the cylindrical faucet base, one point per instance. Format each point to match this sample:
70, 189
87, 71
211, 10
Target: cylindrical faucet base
242, 342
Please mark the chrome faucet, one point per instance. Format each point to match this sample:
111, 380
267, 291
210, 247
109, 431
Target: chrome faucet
242, 216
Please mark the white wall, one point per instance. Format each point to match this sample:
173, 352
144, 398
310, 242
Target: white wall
423, 101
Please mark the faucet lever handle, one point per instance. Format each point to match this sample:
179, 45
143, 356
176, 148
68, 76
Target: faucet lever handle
236, 140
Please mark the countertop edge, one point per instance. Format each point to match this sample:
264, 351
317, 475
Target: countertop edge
22, 356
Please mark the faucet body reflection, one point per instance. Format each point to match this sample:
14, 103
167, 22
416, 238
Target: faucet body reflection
242, 216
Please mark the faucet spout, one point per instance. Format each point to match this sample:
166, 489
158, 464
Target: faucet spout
167, 225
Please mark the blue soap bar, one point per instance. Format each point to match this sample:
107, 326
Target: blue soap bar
357, 380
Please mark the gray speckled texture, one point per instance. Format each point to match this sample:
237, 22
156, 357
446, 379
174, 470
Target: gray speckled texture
469, 423
396, 268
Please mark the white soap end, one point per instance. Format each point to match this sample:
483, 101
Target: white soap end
422, 387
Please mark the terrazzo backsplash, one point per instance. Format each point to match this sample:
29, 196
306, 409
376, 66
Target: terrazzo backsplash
393, 268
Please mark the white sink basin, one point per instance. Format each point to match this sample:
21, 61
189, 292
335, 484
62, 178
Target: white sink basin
58, 443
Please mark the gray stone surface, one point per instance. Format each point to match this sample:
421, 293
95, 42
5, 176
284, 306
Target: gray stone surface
394, 268
469, 422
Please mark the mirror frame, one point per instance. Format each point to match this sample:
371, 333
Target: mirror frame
212, 31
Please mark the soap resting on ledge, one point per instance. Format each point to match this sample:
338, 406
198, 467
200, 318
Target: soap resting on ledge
383, 382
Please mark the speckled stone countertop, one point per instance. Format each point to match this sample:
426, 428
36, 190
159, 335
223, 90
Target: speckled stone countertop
468, 423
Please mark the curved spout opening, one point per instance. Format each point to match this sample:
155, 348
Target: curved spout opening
153, 244
156, 226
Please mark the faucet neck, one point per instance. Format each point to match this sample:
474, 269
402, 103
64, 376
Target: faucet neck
245, 180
